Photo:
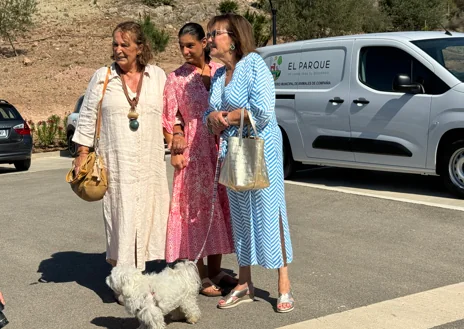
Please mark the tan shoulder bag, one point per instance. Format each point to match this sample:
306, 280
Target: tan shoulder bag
91, 183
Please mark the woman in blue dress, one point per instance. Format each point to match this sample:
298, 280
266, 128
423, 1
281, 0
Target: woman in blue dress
259, 218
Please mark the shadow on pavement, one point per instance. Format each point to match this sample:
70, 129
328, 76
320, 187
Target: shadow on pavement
264, 295
87, 270
110, 322
7, 169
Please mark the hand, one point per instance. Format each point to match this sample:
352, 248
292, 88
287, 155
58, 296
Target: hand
178, 161
178, 144
2, 300
78, 161
217, 121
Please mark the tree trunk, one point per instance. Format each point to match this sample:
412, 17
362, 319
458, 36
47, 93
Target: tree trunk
12, 46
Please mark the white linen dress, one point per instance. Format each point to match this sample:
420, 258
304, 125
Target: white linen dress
136, 205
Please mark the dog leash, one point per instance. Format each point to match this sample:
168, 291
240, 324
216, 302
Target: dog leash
215, 188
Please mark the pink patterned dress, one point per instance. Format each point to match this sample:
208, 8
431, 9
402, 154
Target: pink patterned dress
191, 203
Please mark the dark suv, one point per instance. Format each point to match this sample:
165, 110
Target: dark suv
15, 137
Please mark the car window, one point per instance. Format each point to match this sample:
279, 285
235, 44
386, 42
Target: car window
380, 65
77, 109
8, 112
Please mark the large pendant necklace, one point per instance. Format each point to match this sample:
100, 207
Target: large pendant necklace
133, 115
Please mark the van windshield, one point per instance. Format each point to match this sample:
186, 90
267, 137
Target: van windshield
449, 52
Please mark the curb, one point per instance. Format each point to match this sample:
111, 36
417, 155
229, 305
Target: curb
54, 154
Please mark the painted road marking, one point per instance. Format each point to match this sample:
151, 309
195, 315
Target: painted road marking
447, 203
423, 310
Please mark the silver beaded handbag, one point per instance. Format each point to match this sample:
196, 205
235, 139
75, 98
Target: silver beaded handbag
244, 167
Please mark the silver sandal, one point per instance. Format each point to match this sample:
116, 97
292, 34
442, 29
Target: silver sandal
285, 299
237, 297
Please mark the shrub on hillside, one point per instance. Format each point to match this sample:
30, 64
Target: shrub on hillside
228, 6
157, 38
261, 25
157, 3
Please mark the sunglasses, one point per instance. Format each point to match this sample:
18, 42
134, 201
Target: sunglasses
215, 33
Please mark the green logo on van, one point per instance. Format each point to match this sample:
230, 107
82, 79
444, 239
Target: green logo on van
275, 67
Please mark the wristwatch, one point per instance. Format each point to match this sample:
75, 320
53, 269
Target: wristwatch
178, 133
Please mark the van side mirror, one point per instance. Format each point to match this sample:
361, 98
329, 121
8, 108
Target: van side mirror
403, 83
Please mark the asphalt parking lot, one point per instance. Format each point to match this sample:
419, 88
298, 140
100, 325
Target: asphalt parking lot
372, 250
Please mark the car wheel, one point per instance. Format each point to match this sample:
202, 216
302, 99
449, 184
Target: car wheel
289, 163
72, 147
453, 173
22, 165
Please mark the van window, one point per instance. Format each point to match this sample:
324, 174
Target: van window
449, 52
380, 65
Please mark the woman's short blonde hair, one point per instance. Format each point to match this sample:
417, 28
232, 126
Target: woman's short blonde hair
240, 30
137, 35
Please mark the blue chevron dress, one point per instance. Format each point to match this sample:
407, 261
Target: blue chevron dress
255, 214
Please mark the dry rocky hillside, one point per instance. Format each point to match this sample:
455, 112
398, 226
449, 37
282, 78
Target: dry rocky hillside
71, 39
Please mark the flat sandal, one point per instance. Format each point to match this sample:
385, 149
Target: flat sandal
237, 297
285, 299
217, 291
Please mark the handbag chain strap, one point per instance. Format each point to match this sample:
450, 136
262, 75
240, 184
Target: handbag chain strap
99, 110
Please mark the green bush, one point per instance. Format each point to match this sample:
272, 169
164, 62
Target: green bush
228, 6
157, 38
49, 133
157, 3
261, 27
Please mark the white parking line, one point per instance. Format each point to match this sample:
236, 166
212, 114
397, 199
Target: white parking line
418, 311
385, 196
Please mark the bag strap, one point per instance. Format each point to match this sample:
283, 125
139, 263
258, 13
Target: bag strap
99, 106
242, 120
214, 198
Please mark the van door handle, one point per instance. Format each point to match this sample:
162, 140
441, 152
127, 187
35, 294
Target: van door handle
361, 101
337, 100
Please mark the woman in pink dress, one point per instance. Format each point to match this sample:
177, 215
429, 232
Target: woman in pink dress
193, 155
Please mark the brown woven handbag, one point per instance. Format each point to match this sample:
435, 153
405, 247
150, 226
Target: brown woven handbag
91, 183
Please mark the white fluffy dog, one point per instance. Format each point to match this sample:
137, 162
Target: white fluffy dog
150, 297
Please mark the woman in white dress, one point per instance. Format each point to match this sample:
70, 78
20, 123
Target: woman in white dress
135, 207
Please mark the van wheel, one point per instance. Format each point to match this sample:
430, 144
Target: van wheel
289, 163
453, 168
22, 165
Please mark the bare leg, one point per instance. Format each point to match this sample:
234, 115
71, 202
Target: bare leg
244, 280
284, 281
201, 269
214, 265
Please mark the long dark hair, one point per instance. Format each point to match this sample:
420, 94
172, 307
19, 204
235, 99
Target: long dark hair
196, 31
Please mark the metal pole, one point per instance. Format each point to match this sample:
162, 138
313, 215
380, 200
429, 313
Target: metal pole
274, 23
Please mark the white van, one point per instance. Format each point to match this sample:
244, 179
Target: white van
387, 101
